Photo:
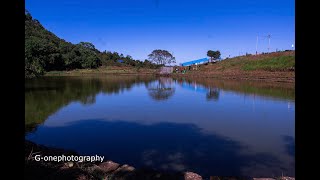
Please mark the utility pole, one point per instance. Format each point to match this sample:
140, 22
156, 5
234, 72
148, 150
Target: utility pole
269, 36
257, 46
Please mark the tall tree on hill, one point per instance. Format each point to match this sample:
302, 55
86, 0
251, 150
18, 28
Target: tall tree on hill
217, 55
213, 54
161, 57
210, 53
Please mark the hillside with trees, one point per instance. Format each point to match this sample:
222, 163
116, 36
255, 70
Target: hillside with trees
44, 52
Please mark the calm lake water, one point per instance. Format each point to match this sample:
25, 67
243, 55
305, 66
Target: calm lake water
211, 127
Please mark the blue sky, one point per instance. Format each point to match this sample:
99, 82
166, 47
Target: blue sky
186, 28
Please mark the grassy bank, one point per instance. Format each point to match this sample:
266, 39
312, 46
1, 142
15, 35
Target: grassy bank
278, 61
272, 67
104, 70
282, 63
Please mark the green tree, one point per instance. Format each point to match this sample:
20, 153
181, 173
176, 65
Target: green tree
87, 45
38, 53
161, 57
82, 57
214, 55
210, 53
217, 55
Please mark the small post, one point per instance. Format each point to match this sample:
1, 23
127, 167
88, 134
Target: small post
257, 46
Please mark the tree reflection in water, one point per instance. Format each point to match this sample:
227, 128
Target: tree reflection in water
161, 89
213, 94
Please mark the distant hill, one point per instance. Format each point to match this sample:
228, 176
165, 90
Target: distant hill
44, 51
276, 66
275, 61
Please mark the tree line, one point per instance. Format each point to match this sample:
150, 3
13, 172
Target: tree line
44, 51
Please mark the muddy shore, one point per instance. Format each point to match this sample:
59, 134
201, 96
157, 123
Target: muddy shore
264, 76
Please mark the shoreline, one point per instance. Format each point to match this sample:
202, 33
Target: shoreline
265, 76
271, 67
262, 76
104, 170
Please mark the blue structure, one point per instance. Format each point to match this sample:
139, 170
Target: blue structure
120, 61
199, 61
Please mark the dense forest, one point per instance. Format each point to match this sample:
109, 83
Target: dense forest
44, 51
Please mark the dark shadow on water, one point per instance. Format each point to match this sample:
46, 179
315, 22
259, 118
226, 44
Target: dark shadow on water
290, 145
163, 146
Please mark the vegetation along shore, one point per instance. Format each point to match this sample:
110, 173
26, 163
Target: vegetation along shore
273, 67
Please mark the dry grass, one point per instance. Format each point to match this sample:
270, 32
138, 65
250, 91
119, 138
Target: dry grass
103, 70
278, 61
